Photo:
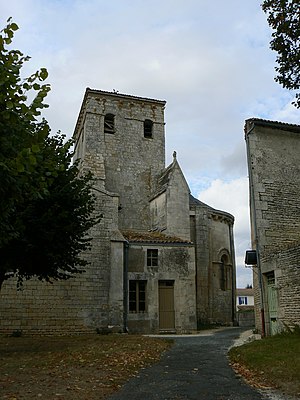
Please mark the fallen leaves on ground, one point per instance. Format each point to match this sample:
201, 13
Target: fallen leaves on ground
253, 378
83, 367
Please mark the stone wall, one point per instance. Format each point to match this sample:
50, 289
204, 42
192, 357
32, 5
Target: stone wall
246, 318
158, 212
275, 177
273, 150
200, 236
134, 192
212, 235
288, 283
132, 161
176, 263
222, 290
286, 266
178, 219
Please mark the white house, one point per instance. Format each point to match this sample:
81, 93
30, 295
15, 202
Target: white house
244, 298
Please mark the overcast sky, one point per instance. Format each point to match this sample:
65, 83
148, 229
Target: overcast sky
210, 60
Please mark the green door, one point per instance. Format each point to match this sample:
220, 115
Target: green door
273, 304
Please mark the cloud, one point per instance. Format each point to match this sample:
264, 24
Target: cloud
235, 163
215, 70
232, 197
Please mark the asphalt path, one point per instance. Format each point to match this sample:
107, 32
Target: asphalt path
195, 368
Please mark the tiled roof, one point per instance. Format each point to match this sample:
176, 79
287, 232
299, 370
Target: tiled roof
245, 292
163, 181
195, 202
152, 237
272, 124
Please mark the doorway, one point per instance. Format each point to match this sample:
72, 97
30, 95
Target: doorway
272, 303
166, 305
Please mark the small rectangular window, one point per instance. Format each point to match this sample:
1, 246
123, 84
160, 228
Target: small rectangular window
109, 123
152, 257
148, 128
243, 300
137, 296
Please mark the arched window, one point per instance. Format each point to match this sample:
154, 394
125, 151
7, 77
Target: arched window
223, 272
148, 128
109, 123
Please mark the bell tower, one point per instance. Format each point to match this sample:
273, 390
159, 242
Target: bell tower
121, 139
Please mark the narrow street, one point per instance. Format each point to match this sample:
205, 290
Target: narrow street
195, 368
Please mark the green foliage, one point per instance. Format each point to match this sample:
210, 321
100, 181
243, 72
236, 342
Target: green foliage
283, 18
46, 208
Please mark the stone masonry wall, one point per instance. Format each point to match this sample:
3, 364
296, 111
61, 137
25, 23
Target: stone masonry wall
177, 263
203, 274
178, 219
288, 282
222, 299
131, 160
274, 170
212, 239
286, 266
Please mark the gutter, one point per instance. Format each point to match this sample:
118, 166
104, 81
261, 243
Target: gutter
233, 281
125, 287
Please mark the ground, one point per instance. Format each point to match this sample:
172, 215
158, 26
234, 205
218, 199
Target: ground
98, 366
82, 367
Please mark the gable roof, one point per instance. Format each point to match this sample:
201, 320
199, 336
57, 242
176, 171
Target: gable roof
152, 237
245, 292
165, 177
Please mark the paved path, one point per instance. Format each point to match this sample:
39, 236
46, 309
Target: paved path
195, 368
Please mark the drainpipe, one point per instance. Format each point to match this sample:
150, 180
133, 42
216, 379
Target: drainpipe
233, 281
254, 225
125, 286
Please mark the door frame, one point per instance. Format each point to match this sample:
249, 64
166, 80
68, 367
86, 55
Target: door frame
166, 305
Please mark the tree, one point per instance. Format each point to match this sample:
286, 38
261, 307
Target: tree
283, 18
46, 207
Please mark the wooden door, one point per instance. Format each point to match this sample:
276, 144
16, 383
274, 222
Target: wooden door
166, 305
273, 304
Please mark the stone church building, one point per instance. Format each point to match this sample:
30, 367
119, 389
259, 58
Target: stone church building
161, 260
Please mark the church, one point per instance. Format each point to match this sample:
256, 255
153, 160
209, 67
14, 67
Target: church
160, 260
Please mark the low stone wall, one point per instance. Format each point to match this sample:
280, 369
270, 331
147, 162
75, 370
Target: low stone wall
246, 318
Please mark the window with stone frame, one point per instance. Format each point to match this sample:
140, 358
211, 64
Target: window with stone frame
152, 257
137, 296
109, 123
224, 273
148, 129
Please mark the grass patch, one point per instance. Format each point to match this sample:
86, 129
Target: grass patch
81, 367
273, 361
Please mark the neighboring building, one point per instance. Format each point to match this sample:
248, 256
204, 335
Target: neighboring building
244, 298
245, 307
160, 260
273, 151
